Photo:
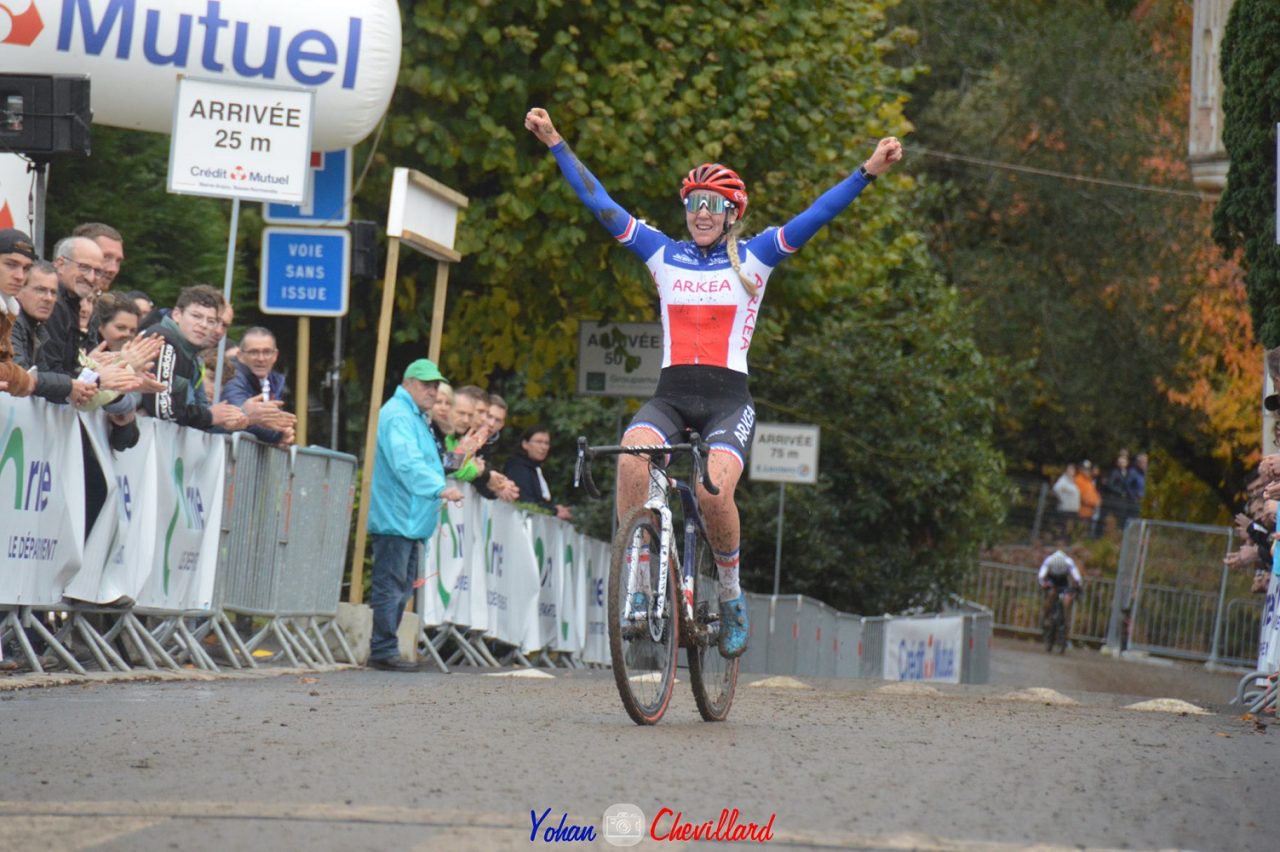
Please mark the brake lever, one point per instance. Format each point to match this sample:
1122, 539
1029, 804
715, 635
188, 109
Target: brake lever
703, 462
582, 469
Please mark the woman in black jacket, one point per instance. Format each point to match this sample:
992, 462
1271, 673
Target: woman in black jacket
525, 470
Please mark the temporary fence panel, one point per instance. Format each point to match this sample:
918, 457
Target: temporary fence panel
510, 573
446, 557
42, 523
977, 648
120, 548
930, 648
573, 592
784, 635
460, 610
873, 646
1014, 596
848, 643
760, 609
595, 648
1242, 629
550, 555
189, 518
255, 534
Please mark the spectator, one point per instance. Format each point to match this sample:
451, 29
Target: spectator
1090, 499
144, 302
16, 256
1068, 494
1116, 500
404, 504
441, 419
78, 261
85, 320
36, 300
1138, 480
525, 470
186, 330
499, 485
108, 239
226, 316
209, 371
258, 388
470, 431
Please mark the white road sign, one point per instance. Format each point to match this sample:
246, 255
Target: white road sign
619, 358
785, 452
233, 140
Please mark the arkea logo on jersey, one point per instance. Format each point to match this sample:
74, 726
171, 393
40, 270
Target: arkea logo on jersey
679, 286
20, 22
753, 311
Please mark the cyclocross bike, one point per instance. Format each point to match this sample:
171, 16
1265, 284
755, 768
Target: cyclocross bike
661, 597
1055, 626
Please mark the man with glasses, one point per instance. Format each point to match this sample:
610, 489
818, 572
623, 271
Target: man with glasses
112, 244
16, 256
37, 299
258, 388
188, 328
78, 261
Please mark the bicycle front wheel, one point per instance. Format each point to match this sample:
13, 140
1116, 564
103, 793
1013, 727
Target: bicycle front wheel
643, 638
713, 678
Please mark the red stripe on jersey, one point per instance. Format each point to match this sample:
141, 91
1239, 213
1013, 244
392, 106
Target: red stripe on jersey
700, 333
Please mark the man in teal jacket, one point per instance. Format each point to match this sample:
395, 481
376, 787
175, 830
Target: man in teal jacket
404, 504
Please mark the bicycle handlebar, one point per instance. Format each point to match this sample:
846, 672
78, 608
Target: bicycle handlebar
696, 447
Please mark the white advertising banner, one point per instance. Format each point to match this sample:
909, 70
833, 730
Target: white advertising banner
466, 605
1269, 637
348, 53
120, 547
16, 185
188, 480
511, 574
446, 556
573, 590
595, 648
548, 550
41, 501
924, 648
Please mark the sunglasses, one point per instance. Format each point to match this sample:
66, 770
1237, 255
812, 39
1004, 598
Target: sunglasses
715, 203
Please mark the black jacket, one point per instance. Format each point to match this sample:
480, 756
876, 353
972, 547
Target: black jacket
29, 340
524, 473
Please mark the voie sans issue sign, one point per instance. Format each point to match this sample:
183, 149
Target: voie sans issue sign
241, 141
305, 271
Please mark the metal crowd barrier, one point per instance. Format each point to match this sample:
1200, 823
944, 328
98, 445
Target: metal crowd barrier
283, 549
797, 635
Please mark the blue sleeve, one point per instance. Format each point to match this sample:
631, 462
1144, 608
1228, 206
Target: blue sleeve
776, 244
621, 225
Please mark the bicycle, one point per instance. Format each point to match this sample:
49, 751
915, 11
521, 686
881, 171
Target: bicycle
659, 602
1055, 626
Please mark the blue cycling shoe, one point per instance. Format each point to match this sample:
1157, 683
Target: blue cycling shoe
639, 609
734, 628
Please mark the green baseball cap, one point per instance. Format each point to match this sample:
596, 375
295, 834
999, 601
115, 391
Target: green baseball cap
424, 371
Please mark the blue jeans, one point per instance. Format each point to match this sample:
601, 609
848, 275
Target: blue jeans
395, 567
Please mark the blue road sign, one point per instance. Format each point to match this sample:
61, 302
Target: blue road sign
305, 271
330, 206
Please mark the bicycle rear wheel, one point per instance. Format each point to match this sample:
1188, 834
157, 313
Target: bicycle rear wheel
713, 678
643, 646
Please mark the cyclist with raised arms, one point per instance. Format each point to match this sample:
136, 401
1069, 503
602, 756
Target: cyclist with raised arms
710, 288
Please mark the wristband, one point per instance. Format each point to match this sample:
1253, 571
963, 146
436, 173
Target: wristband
866, 175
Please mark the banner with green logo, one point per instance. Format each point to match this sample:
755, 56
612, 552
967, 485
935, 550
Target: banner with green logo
511, 576
595, 561
188, 483
41, 501
119, 551
548, 547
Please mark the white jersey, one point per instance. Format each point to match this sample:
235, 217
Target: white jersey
1059, 566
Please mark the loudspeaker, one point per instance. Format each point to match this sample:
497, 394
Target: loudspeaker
364, 250
45, 114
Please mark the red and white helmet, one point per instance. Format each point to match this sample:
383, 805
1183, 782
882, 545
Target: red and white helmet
720, 180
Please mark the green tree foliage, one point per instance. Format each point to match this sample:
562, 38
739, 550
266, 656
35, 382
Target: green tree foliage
1246, 214
1081, 289
859, 333
171, 241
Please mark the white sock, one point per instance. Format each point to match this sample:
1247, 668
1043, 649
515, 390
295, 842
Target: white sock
727, 565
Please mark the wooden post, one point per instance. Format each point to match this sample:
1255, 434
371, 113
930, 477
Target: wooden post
371, 431
304, 378
437, 310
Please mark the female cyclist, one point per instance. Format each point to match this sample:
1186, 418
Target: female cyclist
710, 288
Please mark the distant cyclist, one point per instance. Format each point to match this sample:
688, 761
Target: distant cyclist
710, 287
1060, 577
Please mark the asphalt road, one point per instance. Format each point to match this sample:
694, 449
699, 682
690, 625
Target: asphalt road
372, 760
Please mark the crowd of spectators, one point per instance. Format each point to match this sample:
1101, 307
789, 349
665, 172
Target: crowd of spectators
1086, 499
1256, 524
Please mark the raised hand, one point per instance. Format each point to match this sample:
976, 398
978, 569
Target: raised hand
888, 152
538, 122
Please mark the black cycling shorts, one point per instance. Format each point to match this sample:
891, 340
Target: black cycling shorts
712, 401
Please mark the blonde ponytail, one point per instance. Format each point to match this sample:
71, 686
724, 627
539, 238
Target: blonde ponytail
752, 288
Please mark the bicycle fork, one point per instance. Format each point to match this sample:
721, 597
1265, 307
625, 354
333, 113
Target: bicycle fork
657, 502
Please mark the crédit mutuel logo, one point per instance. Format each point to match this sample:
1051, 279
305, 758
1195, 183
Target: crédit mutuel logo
20, 22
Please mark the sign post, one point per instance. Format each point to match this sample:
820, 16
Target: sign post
423, 214
240, 141
782, 453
